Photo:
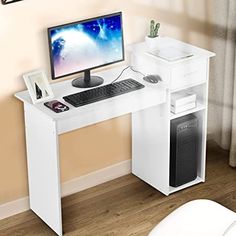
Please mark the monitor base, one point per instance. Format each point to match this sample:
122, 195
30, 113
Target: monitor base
87, 81
82, 83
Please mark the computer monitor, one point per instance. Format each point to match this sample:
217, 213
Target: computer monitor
85, 45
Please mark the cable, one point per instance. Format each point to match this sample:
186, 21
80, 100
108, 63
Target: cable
123, 72
137, 71
120, 74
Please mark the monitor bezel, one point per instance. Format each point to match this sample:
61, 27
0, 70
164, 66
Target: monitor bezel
79, 22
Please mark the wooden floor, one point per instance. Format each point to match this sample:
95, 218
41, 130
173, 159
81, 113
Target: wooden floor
128, 206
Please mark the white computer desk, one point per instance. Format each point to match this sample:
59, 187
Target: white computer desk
151, 121
43, 126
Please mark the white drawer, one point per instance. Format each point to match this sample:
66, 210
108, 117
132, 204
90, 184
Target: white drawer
188, 73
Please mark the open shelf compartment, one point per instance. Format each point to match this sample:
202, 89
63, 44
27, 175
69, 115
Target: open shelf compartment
200, 91
201, 136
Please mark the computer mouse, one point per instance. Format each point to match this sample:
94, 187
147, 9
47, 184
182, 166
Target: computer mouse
153, 79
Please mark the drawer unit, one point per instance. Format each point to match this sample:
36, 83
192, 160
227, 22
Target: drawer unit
166, 163
188, 73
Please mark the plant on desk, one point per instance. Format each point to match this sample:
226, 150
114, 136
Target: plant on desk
153, 37
154, 29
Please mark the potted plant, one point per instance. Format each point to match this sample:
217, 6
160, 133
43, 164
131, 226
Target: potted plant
153, 37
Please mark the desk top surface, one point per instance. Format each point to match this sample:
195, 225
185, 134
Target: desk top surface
150, 95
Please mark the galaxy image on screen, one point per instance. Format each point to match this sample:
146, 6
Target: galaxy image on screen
80, 46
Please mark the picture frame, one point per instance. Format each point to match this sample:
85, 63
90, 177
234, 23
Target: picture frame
38, 86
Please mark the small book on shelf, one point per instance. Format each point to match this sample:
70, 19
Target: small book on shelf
182, 108
182, 98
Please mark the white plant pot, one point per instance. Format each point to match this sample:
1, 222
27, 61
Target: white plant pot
153, 43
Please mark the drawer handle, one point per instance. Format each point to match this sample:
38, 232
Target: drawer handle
190, 73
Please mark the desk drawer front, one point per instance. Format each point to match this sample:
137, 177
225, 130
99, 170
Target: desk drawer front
189, 74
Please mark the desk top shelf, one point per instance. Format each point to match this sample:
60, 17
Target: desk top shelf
166, 42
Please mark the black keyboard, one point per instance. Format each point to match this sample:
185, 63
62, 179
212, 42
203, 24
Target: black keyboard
103, 92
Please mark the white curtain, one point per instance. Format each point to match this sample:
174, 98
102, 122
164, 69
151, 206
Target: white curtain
222, 94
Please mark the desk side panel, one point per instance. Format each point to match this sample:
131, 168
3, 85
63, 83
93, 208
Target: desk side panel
43, 167
150, 146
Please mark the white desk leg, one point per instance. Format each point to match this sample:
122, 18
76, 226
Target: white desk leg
43, 167
150, 146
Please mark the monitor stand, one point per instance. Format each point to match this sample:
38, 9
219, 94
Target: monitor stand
87, 81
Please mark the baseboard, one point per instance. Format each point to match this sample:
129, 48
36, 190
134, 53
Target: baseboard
14, 207
96, 178
73, 186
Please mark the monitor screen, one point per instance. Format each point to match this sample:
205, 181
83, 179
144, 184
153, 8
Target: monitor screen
86, 44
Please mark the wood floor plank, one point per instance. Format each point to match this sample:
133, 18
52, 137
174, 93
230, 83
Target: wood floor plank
127, 206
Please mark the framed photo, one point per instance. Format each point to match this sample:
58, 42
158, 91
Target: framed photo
38, 86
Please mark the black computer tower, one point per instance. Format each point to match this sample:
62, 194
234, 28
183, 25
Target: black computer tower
183, 150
